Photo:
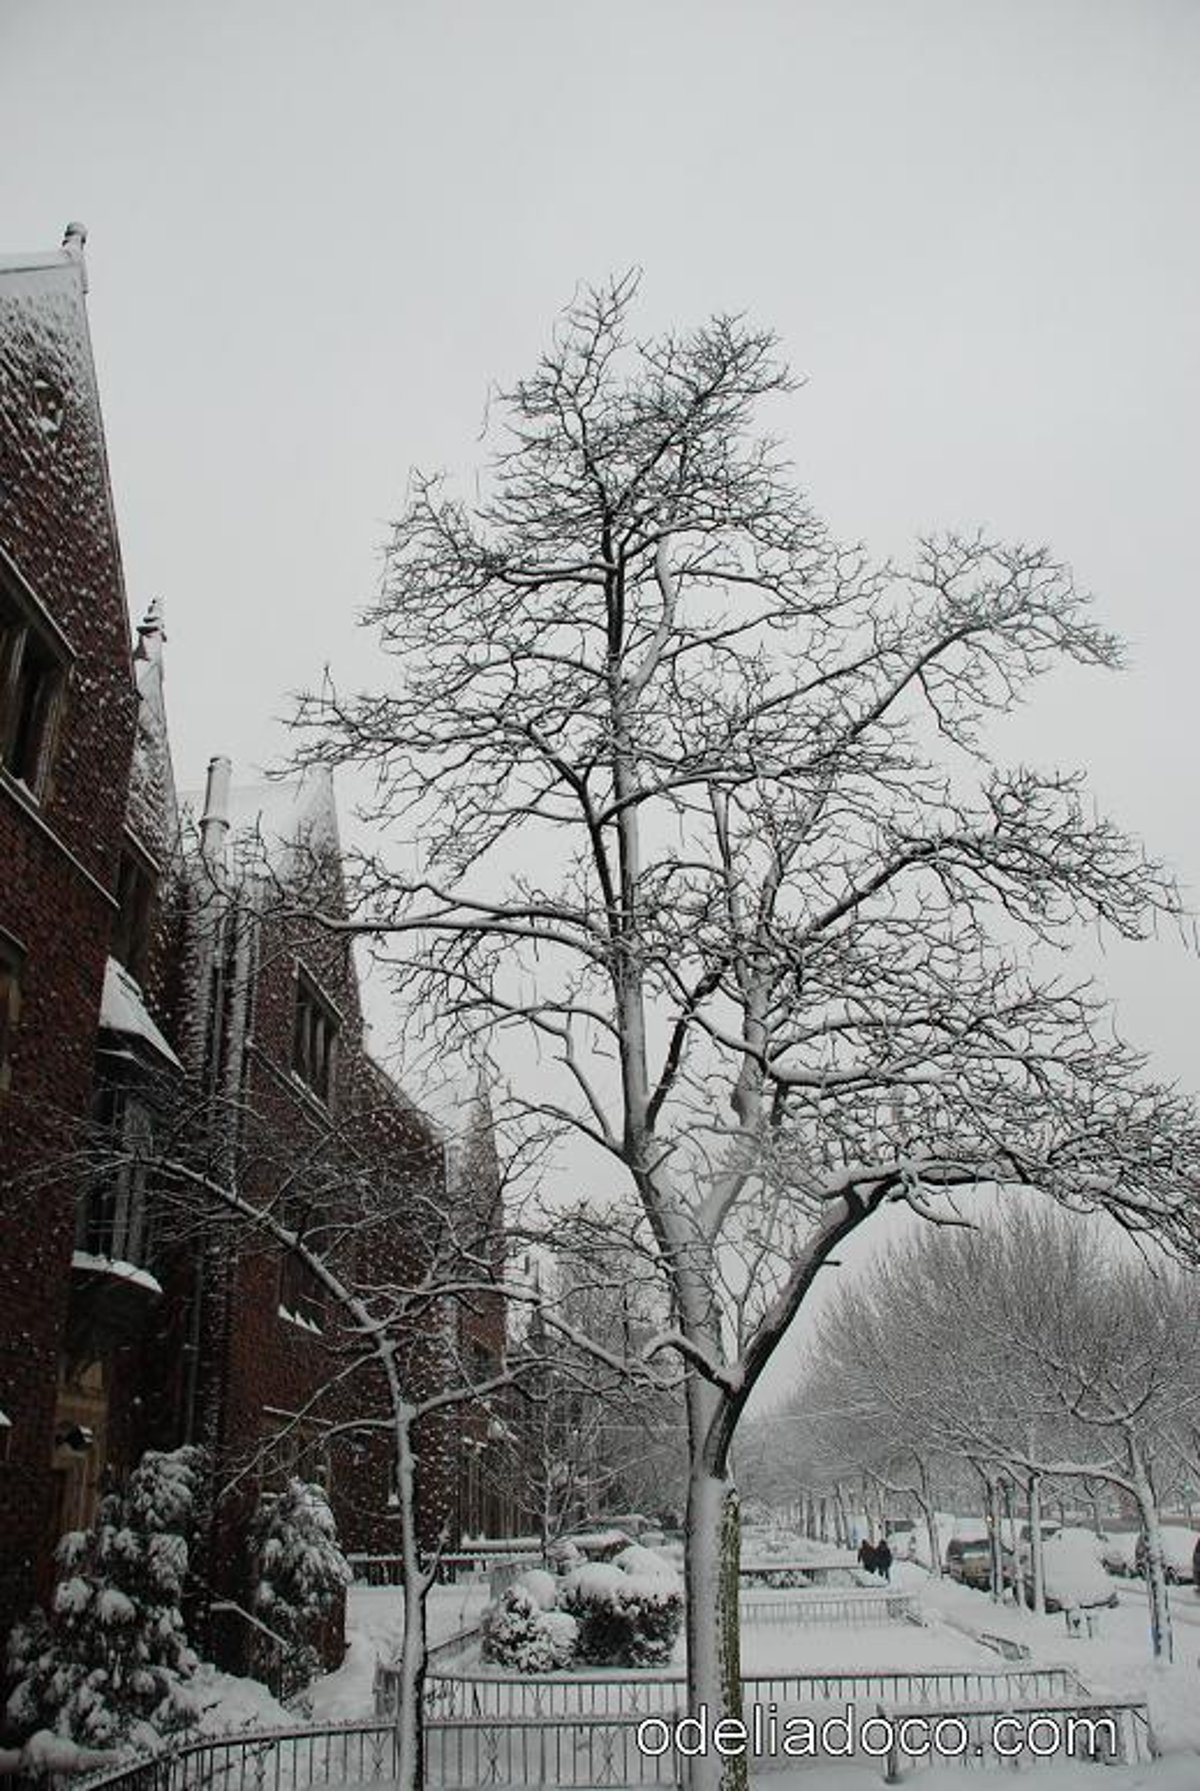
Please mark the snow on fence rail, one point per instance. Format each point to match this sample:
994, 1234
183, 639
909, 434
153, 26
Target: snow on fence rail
388, 1570
456, 1692
857, 1607
818, 1570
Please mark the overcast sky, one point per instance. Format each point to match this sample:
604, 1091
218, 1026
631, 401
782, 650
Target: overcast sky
317, 233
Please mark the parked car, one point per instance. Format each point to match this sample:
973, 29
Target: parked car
902, 1540
1118, 1551
1075, 1575
969, 1561
1179, 1554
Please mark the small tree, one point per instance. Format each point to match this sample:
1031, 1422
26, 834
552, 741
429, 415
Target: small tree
111, 1664
300, 1573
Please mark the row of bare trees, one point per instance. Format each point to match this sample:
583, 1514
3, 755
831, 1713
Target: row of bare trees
1037, 1349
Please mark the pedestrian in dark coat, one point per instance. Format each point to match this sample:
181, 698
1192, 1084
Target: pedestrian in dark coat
883, 1561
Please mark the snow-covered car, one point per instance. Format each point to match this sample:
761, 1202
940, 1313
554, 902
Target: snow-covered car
1179, 1554
1118, 1551
902, 1540
969, 1561
1075, 1575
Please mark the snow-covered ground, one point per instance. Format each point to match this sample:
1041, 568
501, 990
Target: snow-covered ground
375, 1631
1116, 1659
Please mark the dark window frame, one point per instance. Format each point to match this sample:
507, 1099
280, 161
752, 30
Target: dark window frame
316, 1024
12, 973
302, 1299
35, 666
133, 923
114, 1219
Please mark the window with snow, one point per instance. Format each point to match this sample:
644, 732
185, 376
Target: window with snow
135, 909
301, 1296
114, 1214
314, 1038
33, 668
11, 962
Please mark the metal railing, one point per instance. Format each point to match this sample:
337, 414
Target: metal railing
1101, 1729
388, 1570
488, 1695
854, 1608
460, 1755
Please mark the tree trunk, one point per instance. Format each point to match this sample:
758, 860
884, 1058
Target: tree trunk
1014, 1544
410, 1702
841, 1527
711, 1562
1162, 1643
924, 1499
1036, 1561
994, 1539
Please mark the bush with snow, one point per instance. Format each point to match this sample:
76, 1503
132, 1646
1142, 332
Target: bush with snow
519, 1633
111, 1664
541, 1586
300, 1573
629, 1612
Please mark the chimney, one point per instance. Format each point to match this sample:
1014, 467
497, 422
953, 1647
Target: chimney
74, 237
150, 634
214, 823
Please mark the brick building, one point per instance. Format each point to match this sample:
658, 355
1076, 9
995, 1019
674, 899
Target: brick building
160, 990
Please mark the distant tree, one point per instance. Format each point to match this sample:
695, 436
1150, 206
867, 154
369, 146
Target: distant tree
1031, 1350
670, 759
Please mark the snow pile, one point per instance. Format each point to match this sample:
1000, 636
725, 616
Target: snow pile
110, 1665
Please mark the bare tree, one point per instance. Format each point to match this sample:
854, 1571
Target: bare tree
669, 760
1028, 1348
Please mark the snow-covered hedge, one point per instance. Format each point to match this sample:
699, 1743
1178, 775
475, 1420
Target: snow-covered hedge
629, 1610
621, 1613
519, 1633
111, 1663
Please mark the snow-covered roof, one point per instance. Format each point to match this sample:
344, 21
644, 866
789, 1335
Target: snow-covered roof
32, 261
116, 1270
123, 1010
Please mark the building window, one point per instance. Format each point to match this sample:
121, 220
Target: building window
114, 1214
293, 1449
135, 909
32, 679
11, 960
301, 1296
314, 1039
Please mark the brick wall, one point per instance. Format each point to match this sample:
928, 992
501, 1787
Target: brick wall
57, 857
